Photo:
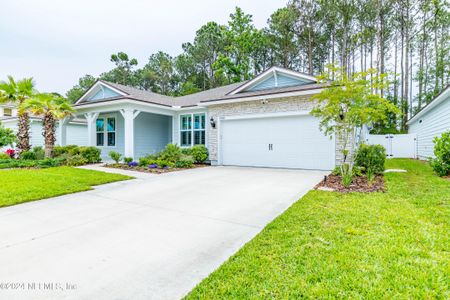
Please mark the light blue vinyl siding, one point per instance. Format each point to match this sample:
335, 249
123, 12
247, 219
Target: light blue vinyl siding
434, 123
103, 93
76, 133
283, 81
151, 133
120, 139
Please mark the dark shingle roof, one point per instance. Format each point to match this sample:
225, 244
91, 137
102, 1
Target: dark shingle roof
215, 94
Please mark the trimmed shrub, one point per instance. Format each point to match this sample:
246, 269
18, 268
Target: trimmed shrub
371, 158
90, 154
115, 156
28, 155
49, 163
127, 160
172, 154
200, 153
440, 167
69, 149
164, 164
186, 151
76, 160
185, 161
4, 156
39, 152
441, 164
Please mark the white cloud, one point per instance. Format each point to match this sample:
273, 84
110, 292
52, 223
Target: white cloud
57, 42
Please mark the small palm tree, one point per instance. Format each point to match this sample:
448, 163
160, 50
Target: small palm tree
51, 107
18, 92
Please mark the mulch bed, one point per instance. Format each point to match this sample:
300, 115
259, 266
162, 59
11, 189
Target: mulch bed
154, 171
359, 184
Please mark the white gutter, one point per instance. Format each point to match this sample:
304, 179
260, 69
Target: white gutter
263, 97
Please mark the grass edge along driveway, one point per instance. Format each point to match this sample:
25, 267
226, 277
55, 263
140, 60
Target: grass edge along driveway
23, 185
329, 245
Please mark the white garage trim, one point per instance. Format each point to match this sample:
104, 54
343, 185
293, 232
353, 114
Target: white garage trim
324, 163
268, 115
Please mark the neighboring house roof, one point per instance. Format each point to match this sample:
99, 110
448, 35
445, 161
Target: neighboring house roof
261, 85
441, 97
34, 118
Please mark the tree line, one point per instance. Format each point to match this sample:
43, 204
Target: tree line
409, 40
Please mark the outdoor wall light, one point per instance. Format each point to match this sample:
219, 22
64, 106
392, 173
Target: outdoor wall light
212, 122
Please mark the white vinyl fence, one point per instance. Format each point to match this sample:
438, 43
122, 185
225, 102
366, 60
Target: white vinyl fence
397, 145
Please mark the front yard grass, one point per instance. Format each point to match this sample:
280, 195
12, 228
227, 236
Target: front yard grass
23, 185
329, 245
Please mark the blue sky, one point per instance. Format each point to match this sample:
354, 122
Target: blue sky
56, 42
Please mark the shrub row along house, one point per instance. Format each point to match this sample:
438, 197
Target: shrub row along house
263, 122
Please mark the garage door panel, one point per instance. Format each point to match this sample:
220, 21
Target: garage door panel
297, 143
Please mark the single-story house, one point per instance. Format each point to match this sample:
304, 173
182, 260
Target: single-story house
76, 129
263, 122
430, 122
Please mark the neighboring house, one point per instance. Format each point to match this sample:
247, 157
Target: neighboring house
430, 122
76, 130
264, 122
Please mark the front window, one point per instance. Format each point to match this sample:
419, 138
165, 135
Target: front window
192, 130
106, 128
7, 112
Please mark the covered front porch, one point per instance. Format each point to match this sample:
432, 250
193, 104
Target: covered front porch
131, 130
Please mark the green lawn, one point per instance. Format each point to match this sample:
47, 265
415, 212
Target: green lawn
22, 185
366, 246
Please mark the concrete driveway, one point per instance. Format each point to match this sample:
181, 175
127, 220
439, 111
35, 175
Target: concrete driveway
155, 237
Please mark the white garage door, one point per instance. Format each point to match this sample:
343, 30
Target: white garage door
284, 142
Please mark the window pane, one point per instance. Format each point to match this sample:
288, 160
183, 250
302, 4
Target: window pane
186, 138
111, 124
186, 122
199, 137
100, 124
100, 139
199, 121
7, 112
111, 139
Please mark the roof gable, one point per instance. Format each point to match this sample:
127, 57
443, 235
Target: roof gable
99, 91
103, 93
275, 77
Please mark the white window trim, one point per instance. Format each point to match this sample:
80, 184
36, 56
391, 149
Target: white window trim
192, 130
105, 130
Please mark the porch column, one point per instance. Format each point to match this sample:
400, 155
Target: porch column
91, 118
62, 137
129, 115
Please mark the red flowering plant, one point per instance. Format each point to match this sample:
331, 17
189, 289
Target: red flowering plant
11, 152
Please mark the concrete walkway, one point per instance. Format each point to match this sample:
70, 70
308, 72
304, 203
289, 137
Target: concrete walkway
151, 238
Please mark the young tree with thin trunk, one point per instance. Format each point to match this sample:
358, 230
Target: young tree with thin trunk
346, 105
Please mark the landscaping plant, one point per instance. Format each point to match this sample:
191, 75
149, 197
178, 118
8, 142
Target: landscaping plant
346, 105
39, 152
371, 159
127, 160
441, 164
115, 156
7, 137
200, 153
51, 108
18, 92
172, 154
